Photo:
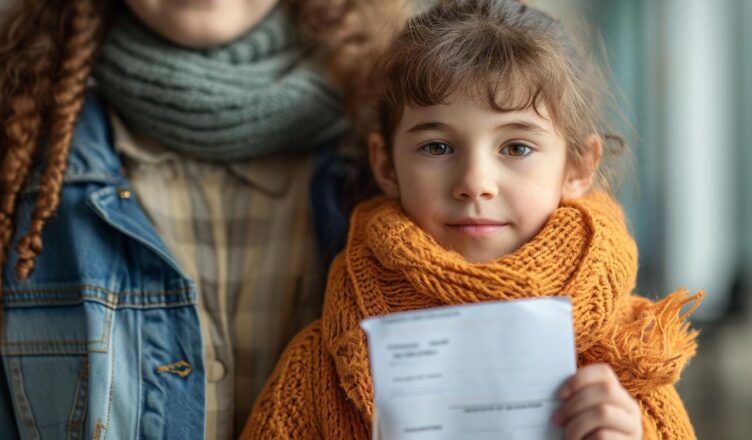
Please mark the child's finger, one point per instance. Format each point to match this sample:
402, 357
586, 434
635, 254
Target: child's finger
606, 418
585, 376
610, 392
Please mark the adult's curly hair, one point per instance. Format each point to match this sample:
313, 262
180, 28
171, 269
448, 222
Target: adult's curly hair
47, 48
354, 33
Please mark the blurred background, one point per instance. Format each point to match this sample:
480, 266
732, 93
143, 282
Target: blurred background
684, 71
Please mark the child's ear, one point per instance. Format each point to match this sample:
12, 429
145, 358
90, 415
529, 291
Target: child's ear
580, 178
382, 165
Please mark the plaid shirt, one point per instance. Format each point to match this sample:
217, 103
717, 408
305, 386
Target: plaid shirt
243, 232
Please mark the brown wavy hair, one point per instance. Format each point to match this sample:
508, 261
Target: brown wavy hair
47, 48
513, 56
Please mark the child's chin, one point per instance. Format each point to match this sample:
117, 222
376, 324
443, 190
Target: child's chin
480, 256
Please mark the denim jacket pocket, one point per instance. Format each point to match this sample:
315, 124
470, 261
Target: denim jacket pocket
49, 336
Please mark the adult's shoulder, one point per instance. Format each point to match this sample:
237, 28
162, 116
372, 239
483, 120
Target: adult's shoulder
92, 144
92, 157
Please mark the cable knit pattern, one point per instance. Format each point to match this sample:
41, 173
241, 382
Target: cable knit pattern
322, 387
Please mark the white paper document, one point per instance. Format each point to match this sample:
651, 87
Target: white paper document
481, 371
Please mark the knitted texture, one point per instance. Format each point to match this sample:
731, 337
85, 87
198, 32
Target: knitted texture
322, 387
261, 94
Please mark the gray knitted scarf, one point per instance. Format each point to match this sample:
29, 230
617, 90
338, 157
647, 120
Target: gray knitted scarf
261, 94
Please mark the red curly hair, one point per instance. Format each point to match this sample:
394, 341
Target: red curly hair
47, 48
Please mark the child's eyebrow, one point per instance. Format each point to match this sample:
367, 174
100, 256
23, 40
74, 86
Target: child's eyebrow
522, 125
513, 125
427, 126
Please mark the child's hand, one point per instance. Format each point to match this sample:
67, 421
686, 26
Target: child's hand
596, 406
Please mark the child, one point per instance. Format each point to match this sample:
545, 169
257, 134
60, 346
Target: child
489, 158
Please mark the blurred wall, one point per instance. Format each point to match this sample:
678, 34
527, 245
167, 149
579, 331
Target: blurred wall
701, 184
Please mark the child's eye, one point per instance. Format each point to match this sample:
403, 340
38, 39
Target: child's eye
437, 148
516, 150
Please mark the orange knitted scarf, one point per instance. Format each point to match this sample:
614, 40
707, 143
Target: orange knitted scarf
584, 251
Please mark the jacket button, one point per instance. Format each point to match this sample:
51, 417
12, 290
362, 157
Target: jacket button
124, 193
215, 371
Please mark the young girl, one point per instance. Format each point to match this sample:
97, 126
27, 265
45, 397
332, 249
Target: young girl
489, 158
157, 239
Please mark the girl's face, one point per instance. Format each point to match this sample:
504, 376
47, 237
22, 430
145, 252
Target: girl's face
201, 24
479, 181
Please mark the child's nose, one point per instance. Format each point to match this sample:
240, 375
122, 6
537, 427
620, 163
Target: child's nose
476, 181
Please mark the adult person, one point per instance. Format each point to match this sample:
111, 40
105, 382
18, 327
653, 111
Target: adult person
157, 205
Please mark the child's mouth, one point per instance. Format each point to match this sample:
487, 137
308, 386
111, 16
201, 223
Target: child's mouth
477, 227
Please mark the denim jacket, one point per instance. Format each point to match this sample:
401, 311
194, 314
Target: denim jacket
103, 341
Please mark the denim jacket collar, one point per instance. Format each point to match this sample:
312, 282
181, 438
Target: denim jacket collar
87, 161
92, 159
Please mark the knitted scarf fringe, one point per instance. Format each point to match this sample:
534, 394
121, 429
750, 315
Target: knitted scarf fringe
651, 350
